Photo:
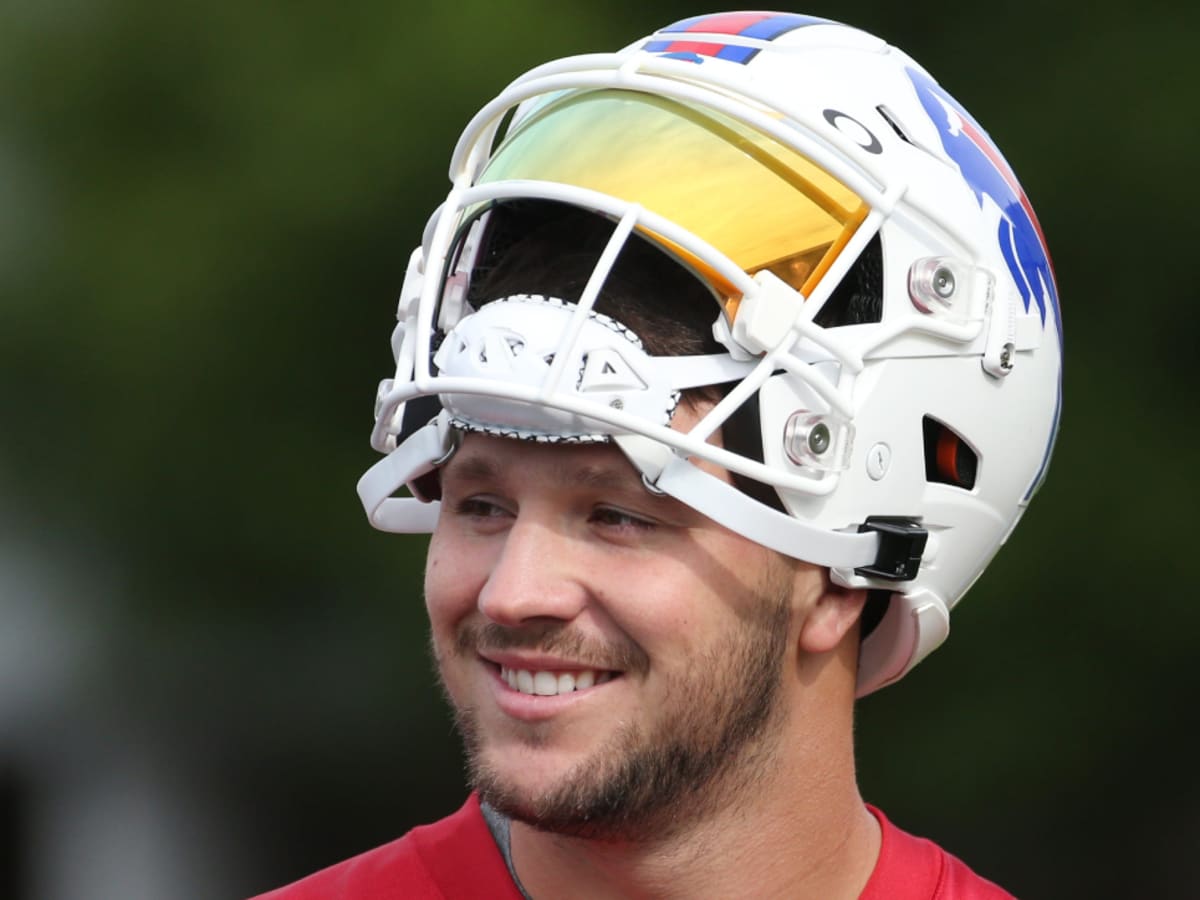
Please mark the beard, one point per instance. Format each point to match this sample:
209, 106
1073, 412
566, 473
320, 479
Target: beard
712, 740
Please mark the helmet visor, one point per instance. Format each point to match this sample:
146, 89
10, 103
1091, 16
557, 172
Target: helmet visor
762, 204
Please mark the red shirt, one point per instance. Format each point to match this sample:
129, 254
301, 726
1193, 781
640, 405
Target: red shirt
913, 868
457, 859
451, 859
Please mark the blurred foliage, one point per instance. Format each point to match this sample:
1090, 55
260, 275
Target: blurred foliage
205, 214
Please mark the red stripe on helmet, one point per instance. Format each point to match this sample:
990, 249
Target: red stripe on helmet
729, 23
694, 47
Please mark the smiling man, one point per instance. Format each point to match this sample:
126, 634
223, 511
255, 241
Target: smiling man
726, 367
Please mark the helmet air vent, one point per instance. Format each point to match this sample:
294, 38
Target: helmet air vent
890, 118
858, 297
949, 459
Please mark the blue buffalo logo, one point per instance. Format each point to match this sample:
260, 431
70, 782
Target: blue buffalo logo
985, 171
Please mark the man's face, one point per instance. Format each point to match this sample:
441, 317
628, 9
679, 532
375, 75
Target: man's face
614, 658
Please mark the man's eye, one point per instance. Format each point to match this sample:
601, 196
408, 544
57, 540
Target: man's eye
617, 518
478, 508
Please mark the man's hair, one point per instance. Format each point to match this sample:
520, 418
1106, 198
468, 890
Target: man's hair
544, 247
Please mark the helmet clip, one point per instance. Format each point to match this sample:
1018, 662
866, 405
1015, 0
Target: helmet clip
901, 545
765, 316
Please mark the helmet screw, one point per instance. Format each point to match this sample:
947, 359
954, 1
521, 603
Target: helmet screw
818, 438
933, 284
1006, 357
617, 403
943, 282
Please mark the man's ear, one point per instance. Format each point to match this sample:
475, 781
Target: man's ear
832, 617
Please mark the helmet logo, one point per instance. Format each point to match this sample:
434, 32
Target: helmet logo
605, 370
987, 174
763, 26
853, 129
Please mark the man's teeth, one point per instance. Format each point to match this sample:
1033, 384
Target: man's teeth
549, 684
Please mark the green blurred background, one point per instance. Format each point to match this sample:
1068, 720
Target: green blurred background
213, 675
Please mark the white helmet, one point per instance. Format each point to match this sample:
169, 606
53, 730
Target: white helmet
884, 304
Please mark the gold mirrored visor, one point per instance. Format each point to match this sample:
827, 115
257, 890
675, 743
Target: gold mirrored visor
762, 204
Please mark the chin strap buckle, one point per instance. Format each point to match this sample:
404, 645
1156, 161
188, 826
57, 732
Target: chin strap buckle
901, 544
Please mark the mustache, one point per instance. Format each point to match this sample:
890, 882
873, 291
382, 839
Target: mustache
552, 638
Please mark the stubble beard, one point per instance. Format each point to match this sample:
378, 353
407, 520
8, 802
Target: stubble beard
714, 739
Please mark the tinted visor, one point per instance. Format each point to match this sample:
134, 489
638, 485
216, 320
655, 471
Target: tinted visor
762, 204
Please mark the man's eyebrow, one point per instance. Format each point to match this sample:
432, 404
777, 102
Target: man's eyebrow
471, 467
474, 466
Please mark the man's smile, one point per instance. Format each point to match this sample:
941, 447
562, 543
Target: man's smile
549, 684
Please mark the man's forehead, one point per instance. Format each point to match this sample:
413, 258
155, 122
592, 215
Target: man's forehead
486, 457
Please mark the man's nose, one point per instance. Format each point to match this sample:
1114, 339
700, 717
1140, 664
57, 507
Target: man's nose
537, 574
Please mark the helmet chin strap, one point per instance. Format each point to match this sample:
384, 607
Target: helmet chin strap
423, 450
666, 472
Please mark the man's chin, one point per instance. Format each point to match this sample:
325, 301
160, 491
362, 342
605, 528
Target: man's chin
545, 816
548, 802
567, 804
513, 776
518, 801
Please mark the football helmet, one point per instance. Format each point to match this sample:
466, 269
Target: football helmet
882, 303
